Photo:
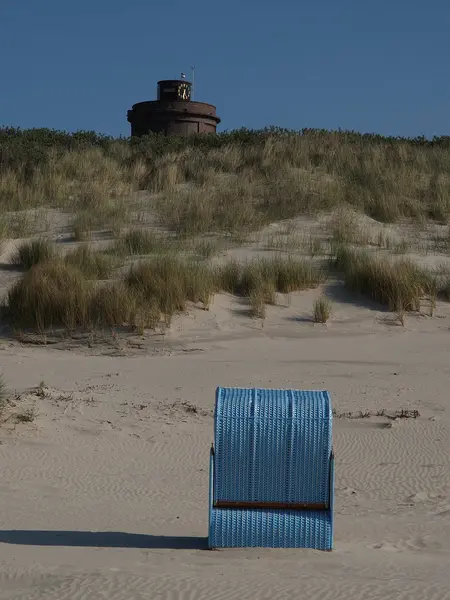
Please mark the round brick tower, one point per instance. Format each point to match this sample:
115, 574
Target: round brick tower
173, 113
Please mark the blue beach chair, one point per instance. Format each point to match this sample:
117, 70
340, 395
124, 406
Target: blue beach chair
271, 470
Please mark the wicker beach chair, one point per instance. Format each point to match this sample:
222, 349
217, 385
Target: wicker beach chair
271, 470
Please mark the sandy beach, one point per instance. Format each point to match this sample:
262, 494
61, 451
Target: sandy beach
104, 494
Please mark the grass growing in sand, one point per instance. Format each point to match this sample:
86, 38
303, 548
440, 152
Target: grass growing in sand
171, 283
321, 310
201, 188
94, 265
3, 393
31, 253
116, 305
50, 294
61, 292
142, 242
57, 294
398, 284
283, 275
230, 182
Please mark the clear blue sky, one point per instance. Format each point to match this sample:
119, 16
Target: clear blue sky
368, 65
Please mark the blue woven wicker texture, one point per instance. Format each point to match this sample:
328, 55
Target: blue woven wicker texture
272, 445
257, 528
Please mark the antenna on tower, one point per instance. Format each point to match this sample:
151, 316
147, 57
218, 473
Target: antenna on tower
193, 82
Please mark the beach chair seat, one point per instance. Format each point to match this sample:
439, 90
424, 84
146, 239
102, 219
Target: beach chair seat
271, 469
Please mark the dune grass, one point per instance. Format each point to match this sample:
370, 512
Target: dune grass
142, 242
57, 294
94, 265
321, 310
3, 393
283, 275
32, 253
50, 294
346, 229
116, 304
398, 284
62, 292
443, 281
171, 282
233, 182
258, 304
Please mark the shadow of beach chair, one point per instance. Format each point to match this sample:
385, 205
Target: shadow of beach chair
271, 470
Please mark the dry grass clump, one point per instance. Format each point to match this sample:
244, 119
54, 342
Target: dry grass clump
50, 294
200, 283
277, 274
230, 207
94, 265
31, 253
260, 280
108, 217
80, 179
398, 284
83, 224
261, 293
346, 228
258, 304
228, 277
443, 281
3, 393
171, 282
56, 294
285, 274
321, 310
205, 248
293, 275
4, 228
142, 242
115, 304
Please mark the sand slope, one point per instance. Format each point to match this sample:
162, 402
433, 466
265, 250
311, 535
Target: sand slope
104, 495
